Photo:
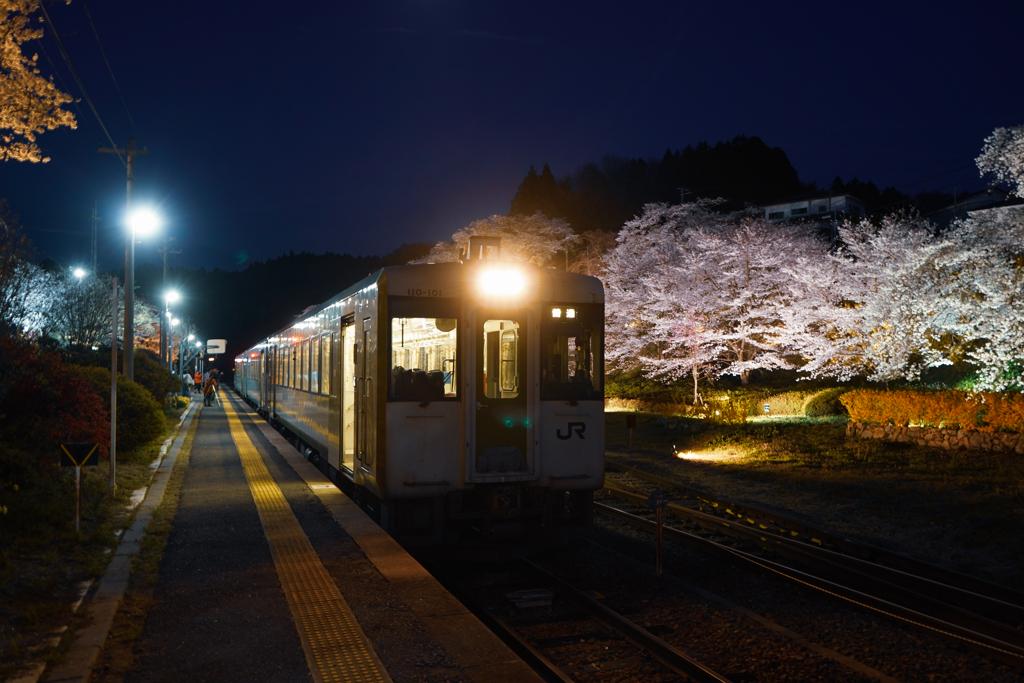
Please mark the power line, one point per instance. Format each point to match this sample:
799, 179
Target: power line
59, 77
936, 176
78, 80
109, 70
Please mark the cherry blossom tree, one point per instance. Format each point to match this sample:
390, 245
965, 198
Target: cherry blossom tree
523, 238
1003, 157
29, 103
693, 291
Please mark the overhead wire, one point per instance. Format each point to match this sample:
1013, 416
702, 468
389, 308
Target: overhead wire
107, 62
78, 80
60, 78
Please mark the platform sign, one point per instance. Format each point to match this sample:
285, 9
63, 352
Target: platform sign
79, 455
216, 345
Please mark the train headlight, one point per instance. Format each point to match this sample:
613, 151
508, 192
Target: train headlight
501, 281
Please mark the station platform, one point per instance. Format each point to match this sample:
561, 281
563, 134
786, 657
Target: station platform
271, 573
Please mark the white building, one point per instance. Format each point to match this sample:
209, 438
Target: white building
822, 208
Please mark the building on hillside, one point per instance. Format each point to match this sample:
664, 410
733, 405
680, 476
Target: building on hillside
987, 199
818, 206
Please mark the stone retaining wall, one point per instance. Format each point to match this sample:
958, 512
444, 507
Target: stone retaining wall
1001, 442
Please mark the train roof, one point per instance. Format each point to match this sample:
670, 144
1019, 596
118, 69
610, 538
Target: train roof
557, 285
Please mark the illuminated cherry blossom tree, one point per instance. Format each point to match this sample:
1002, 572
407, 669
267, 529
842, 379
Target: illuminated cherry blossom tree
1003, 157
693, 291
523, 238
29, 103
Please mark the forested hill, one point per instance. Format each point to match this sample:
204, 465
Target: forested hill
606, 195
247, 305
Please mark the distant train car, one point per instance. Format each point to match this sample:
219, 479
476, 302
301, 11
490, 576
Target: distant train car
461, 404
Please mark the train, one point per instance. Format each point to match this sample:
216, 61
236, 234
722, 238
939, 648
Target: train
460, 404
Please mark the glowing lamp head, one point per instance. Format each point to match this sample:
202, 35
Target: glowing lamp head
172, 296
79, 272
502, 281
144, 222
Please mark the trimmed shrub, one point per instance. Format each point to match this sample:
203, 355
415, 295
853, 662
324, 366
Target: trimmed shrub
825, 403
154, 376
41, 406
140, 419
983, 411
786, 403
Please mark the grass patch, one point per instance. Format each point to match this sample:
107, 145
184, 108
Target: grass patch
118, 656
962, 509
43, 560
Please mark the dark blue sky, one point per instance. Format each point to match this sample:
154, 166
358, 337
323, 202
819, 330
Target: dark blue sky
354, 127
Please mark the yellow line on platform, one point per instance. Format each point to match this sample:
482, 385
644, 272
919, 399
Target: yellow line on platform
335, 647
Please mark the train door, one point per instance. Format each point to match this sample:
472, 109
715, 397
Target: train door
264, 377
502, 423
364, 398
347, 384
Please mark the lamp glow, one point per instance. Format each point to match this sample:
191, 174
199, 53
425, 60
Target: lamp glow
502, 281
79, 272
174, 321
144, 222
172, 296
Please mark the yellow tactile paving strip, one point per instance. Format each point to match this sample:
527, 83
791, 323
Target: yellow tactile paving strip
334, 645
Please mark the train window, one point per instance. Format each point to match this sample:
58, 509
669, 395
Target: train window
571, 348
304, 365
423, 356
325, 364
314, 365
501, 359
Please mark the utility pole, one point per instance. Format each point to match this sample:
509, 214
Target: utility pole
130, 151
166, 338
95, 219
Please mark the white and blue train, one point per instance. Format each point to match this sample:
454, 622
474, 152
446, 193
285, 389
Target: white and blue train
460, 404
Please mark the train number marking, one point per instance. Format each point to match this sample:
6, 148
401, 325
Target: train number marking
578, 427
422, 292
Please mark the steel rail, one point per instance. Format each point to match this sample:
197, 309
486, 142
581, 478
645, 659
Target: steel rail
775, 540
544, 667
876, 580
986, 644
673, 658
1005, 602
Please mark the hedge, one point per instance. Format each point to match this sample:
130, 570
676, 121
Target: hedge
140, 419
825, 403
983, 411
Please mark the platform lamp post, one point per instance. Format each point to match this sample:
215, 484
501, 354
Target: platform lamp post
141, 222
171, 296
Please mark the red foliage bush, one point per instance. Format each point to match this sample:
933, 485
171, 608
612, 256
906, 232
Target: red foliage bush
984, 411
42, 405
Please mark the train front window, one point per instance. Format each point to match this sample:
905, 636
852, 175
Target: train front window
501, 358
571, 347
423, 359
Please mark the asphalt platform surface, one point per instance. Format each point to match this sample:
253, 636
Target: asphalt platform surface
220, 613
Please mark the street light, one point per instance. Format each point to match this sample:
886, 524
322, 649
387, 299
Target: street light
170, 296
141, 222
79, 273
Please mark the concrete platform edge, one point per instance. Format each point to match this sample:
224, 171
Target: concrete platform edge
485, 658
76, 667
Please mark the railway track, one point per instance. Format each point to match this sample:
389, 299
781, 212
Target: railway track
980, 621
1002, 602
617, 626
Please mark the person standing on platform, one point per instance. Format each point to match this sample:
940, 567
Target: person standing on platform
187, 382
199, 382
209, 391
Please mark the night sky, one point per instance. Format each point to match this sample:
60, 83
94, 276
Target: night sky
355, 127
